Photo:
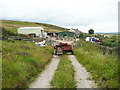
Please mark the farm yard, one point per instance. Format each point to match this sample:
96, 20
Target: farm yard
32, 62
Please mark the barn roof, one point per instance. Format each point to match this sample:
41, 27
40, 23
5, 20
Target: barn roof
30, 28
66, 32
69, 34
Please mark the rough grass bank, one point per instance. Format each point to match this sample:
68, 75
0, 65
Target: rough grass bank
22, 62
104, 68
64, 75
13, 25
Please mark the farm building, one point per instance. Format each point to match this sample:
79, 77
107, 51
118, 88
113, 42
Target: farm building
67, 33
76, 31
38, 31
52, 34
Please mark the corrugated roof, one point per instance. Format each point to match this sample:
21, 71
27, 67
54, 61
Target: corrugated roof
30, 28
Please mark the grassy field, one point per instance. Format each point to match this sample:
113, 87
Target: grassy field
64, 75
22, 62
110, 40
104, 68
13, 25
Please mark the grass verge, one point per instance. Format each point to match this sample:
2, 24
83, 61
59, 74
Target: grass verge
22, 62
104, 68
64, 75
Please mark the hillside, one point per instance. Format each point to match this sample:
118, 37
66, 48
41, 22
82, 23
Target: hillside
13, 25
19, 57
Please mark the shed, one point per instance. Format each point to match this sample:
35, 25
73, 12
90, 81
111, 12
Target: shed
52, 34
38, 31
67, 33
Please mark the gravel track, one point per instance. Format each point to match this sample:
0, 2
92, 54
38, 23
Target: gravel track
82, 77
43, 80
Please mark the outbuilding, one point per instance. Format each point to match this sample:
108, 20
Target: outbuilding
67, 33
38, 31
52, 34
76, 31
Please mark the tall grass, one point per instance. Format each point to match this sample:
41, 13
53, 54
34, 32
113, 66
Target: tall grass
0, 65
104, 68
22, 62
64, 75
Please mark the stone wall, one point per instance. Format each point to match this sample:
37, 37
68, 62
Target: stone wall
108, 50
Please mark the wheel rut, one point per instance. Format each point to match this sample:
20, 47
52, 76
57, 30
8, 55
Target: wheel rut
43, 80
82, 77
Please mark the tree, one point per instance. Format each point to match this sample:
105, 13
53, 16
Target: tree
91, 31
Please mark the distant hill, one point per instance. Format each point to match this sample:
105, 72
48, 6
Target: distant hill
13, 25
107, 33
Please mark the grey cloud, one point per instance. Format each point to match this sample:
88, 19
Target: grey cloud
82, 14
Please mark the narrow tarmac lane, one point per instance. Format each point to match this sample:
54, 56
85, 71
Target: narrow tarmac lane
43, 80
82, 77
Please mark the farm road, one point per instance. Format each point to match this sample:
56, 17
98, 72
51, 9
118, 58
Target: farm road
82, 77
43, 80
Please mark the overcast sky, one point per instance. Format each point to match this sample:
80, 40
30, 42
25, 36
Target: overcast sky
100, 15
